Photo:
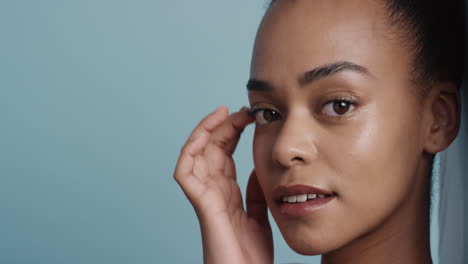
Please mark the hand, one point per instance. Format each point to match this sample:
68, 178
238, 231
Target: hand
207, 175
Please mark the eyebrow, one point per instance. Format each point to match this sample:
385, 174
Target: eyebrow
313, 75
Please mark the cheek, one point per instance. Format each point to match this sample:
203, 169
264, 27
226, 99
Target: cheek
269, 174
374, 168
262, 155
377, 149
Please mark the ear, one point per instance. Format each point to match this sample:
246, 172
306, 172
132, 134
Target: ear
443, 117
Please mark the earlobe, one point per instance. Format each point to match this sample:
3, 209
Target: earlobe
444, 111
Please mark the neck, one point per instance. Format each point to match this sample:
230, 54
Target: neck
402, 238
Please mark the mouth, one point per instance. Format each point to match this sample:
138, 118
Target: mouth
301, 200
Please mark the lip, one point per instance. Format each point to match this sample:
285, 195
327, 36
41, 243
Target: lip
303, 208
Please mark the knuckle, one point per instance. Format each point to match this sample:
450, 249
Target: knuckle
220, 143
180, 180
183, 151
237, 128
176, 177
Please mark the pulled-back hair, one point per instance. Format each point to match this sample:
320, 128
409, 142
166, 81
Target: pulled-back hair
434, 32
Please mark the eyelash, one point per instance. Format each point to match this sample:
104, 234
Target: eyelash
346, 99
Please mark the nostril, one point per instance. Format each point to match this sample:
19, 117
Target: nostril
285, 158
298, 159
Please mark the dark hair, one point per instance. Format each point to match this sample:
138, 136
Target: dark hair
434, 31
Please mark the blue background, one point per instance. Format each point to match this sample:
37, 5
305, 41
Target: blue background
96, 100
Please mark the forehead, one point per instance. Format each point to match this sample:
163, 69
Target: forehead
299, 35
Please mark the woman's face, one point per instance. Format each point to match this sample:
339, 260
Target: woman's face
339, 113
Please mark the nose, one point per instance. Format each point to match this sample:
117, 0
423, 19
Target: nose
294, 144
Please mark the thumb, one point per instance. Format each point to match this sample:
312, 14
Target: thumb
255, 200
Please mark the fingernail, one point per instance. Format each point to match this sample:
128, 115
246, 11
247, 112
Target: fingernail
243, 109
250, 112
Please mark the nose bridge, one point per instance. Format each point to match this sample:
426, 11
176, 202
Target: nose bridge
295, 142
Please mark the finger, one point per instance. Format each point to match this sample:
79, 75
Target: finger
185, 163
224, 139
255, 201
190, 174
231, 145
197, 140
200, 168
229, 131
230, 168
209, 123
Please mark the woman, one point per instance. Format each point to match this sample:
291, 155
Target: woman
351, 99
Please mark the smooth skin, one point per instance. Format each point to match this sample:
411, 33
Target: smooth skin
374, 152
206, 172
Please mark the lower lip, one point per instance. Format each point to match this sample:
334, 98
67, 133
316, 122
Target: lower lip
304, 208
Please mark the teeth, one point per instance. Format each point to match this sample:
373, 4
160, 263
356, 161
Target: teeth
301, 197
292, 199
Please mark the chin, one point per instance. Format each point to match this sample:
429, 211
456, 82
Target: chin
306, 250
308, 247
308, 243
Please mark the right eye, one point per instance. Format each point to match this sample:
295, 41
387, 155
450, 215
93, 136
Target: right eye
264, 116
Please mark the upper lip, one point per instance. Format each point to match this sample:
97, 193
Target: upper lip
283, 190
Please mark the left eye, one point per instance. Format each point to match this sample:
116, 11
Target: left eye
337, 107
